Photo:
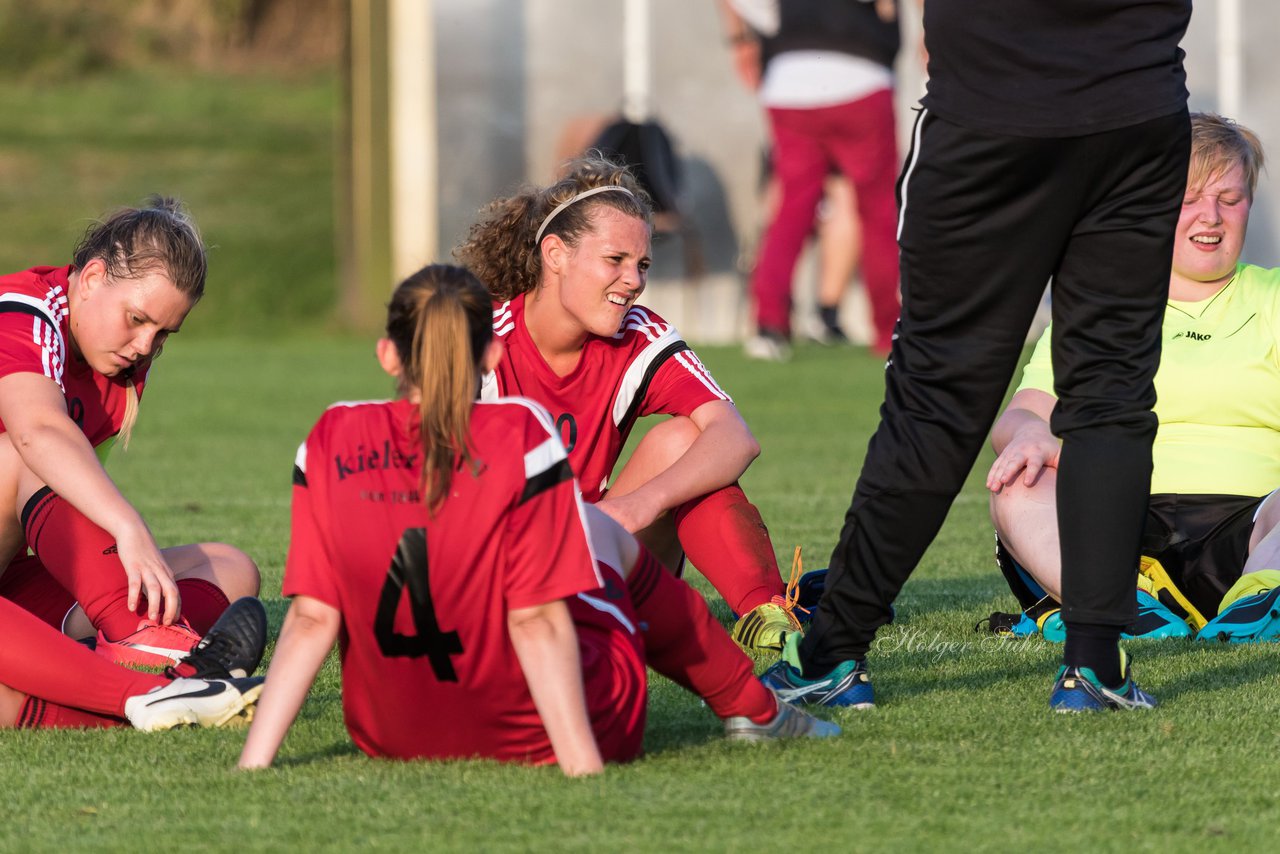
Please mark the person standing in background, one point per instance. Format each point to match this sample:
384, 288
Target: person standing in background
826, 80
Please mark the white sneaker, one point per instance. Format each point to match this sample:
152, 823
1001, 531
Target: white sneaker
790, 722
194, 702
767, 348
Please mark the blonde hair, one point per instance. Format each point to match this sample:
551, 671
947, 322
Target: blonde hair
135, 241
440, 320
130, 414
501, 248
1218, 145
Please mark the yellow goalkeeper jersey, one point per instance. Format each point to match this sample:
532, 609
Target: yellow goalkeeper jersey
1218, 390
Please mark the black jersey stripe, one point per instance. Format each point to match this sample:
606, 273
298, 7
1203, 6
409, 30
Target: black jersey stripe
299, 476
12, 306
7, 307
650, 372
545, 479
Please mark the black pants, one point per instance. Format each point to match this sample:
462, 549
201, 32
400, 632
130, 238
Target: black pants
986, 220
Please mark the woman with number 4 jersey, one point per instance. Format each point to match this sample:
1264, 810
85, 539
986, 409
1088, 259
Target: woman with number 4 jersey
443, 541
566, 265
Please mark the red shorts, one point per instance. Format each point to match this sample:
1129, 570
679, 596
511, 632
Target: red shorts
613, 667
27, 583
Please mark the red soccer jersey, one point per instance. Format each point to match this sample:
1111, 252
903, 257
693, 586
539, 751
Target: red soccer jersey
33, 339
646, 368
430, 670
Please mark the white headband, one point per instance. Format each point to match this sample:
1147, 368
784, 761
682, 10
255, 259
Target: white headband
605, 189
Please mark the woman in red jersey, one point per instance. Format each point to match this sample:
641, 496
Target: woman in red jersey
76, 343
443, 540
566, 265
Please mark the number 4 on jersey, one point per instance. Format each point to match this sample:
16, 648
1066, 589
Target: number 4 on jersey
410, 564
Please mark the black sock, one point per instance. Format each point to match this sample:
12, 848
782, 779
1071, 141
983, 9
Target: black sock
1095, 647
829, 314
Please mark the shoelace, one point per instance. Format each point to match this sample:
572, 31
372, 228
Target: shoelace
791, 601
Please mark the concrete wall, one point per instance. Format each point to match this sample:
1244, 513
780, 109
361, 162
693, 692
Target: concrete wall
1260, 96
516, 76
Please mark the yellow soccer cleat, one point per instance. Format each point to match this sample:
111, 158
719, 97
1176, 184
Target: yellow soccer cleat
765, 627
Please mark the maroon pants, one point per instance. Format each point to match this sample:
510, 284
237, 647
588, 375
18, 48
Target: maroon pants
858, 139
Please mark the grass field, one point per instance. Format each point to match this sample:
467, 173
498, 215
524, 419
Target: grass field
252, 157
961, 751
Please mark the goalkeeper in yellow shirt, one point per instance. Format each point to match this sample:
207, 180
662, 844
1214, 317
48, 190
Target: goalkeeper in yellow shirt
1211, 549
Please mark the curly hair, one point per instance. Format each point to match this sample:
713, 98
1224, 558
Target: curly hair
500, 248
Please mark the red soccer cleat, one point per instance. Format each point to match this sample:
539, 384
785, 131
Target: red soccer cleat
152, 645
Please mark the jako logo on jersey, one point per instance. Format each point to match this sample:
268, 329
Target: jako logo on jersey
1194, 336
372, 459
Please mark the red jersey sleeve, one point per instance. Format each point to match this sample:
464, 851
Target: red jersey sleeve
680, 384
29, 341
548, 557
308, 570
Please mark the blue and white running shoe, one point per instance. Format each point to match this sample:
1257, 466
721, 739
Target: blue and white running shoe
848, 684
1079, 690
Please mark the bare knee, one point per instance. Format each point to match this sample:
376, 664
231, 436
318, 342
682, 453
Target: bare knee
239, 571
610, 542
1266, 520
1015, 501
233, 571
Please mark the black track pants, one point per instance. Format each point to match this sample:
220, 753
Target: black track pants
986, 220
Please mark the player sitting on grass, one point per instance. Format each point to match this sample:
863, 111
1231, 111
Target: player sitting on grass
48, 681
1212, 520
566, 265
76, 343
443, 540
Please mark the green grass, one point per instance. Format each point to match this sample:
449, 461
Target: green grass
251, 156
961, 751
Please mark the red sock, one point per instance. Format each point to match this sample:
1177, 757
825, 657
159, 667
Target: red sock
83, 558
725, 538
683, 642
202, 603
40, 662
41, 714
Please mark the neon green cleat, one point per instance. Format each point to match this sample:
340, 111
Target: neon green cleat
766, 627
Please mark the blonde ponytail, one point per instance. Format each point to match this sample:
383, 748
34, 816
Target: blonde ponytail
440, 320
448, 379
130, 414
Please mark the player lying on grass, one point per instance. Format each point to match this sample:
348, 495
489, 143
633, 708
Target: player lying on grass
76, 343
443, 541
566, 265
48, 681
1213, 515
